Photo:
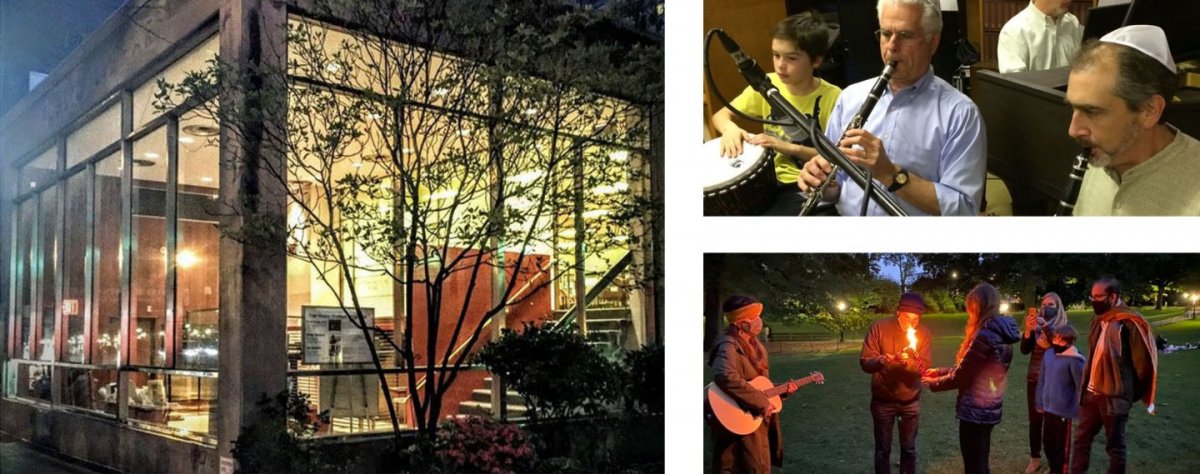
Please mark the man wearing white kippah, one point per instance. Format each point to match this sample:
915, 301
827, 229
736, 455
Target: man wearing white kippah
1042, 36
1119, 88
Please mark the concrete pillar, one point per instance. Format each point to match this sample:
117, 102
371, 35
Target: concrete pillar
253, 320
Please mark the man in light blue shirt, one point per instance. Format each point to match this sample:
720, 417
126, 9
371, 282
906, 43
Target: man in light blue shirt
924, 142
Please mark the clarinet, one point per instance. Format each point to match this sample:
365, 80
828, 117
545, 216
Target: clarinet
1066, 206
814, 195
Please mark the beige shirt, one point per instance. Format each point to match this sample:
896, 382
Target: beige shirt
1032, 41
1167, 184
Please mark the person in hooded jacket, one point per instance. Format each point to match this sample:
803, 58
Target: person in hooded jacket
1059, 381
1039, 322
980, 375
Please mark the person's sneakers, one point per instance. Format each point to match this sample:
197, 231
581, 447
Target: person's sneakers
1034, 464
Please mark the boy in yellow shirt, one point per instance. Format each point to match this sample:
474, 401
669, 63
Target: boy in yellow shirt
798, 45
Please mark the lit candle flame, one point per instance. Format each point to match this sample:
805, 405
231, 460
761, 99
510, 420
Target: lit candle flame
912, 339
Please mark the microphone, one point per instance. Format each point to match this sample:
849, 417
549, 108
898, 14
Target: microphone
746, 65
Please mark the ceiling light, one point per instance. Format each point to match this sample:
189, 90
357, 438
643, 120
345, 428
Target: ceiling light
206, 179
619, 155
596, 213
201, 130
187, 140
151, 155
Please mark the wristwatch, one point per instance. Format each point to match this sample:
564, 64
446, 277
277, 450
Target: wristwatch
898, 180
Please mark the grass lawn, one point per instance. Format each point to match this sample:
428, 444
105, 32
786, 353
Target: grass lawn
827, 428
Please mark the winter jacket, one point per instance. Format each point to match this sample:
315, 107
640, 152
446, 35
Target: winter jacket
981, 376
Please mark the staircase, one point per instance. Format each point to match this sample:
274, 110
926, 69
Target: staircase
607, 328
480, 403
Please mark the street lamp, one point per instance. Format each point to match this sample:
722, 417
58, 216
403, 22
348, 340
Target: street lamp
1003, 308
1192, 312
841, 305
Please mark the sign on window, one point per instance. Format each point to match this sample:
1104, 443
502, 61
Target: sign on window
330, 336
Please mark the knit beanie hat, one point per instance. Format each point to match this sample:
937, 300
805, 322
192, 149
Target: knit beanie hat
740, 308
911, 303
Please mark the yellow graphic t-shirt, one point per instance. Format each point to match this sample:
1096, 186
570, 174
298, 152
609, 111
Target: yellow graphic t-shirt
752, 103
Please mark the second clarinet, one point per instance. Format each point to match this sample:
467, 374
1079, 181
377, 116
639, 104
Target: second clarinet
814, 195
1066, 206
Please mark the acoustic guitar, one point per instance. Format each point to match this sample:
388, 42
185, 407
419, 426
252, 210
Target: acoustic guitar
739, 421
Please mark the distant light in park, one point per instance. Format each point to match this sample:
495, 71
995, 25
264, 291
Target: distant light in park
954, 275
841, 306
1003, 307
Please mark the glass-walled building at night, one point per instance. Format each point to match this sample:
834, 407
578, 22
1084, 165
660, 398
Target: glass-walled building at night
138, 333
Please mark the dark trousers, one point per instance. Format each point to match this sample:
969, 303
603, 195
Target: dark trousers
975, 443
1110, 413
1035, 420
884, 413
1057, 433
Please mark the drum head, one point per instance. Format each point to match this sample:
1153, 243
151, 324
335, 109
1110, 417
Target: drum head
720, 172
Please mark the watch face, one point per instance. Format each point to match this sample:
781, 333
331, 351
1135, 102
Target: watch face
902, 178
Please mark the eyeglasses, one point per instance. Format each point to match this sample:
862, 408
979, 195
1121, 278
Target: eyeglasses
901, 36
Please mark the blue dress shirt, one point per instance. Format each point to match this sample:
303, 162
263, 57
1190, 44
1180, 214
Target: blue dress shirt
930, 129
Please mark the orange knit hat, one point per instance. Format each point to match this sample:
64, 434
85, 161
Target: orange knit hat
740, 308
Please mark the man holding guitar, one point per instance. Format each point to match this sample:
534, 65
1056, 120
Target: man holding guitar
741, 403
895, 352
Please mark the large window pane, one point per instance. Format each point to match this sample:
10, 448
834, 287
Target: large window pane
108, 261
148, 286
101, 131
34, 380
90, 389
49, 252
198, 59
197, 254
183, 404
27, 215
74, 251
39, 172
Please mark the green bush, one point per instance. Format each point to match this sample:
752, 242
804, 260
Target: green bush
645, 390
273, 445
556, 372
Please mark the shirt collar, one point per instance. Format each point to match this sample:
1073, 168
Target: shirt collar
1042, 18
917, 87
1151, 164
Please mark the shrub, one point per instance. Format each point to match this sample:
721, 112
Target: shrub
475, 444
644, 380
556, 372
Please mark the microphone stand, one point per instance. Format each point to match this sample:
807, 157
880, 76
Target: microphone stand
757, 79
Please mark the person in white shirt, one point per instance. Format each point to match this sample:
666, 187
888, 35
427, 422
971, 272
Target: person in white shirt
1042, 36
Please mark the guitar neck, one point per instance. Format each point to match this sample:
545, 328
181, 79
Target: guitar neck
781, 388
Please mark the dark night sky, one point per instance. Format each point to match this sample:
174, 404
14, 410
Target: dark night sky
35, 35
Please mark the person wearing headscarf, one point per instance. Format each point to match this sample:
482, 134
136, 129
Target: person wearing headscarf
1039, 321
737, 358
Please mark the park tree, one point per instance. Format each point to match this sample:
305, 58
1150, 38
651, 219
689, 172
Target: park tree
804, 287
444, 149
908, 265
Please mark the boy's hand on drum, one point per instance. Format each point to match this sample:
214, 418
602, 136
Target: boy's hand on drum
731, 142
764, 140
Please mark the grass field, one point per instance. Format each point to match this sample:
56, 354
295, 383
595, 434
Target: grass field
827, 428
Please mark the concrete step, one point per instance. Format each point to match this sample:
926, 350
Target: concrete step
485, 409
485, 395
